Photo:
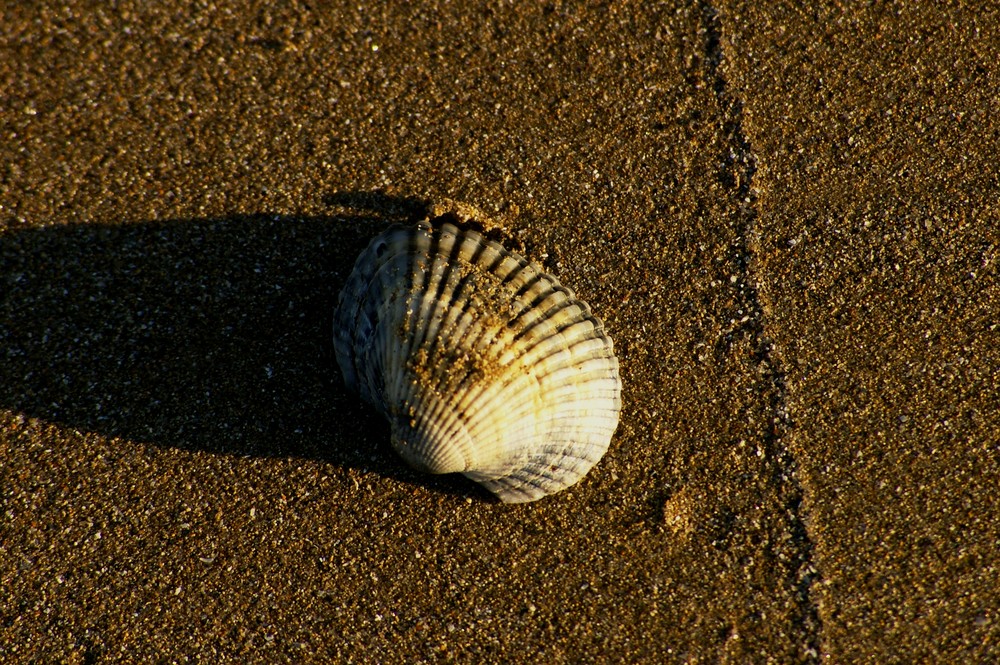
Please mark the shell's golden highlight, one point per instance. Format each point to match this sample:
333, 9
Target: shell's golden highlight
482, 363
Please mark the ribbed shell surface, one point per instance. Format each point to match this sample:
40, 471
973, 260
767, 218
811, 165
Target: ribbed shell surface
482, 363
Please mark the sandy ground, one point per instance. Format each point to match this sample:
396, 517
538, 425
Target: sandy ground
787, 219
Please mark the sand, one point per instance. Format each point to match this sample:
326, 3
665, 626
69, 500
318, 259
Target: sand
788, 221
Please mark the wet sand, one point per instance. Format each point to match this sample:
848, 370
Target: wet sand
788, 222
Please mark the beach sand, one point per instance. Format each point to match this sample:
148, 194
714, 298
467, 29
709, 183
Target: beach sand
788, 221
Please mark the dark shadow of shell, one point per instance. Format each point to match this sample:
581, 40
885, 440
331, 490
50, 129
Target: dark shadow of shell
206, 335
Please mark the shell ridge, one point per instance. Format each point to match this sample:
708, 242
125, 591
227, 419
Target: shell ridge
440, 451
545, 468
531, 283
445, 288
388, 291
425, 446
443, 414
348, 305
482, 341
456, 293
370, 348
422, 263
496, 394
548, 350
563, 367
523, 488
512, 403
353, 306
400, 345
455, 381
438, 414
540, 466
544, 324
389, 314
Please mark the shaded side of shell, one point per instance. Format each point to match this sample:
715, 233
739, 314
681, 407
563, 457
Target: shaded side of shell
482, 363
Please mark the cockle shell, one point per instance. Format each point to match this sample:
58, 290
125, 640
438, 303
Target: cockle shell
482, 363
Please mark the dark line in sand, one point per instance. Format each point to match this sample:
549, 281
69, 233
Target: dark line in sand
739, 167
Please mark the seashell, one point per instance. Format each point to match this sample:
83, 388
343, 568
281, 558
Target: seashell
482, 363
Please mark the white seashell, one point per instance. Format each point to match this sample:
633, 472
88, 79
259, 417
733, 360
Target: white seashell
482, 363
